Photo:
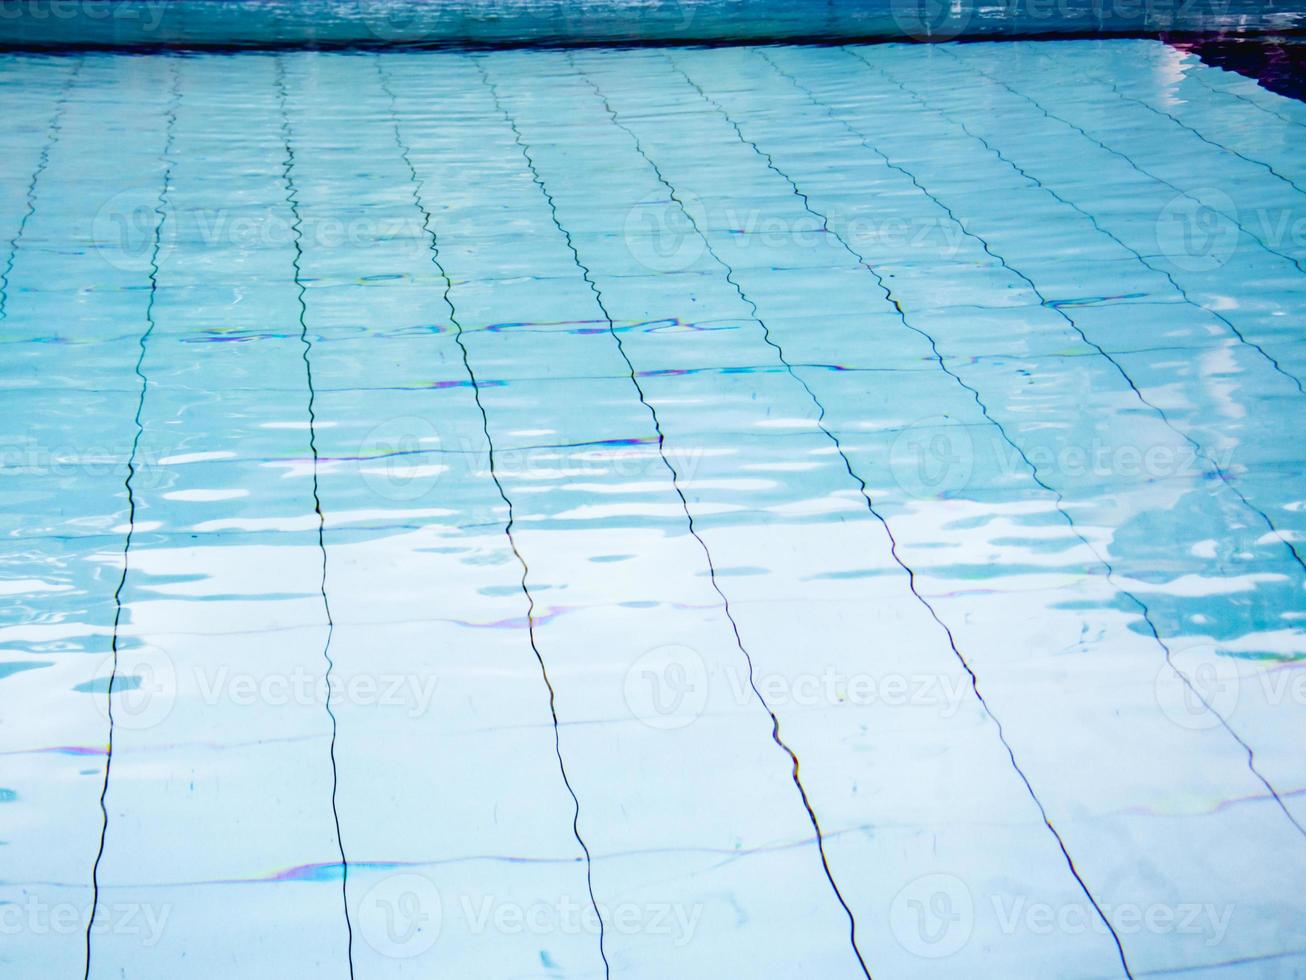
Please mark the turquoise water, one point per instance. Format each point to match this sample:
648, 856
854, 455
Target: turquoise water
754, 512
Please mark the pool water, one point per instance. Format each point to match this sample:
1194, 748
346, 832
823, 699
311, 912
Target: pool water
667, 512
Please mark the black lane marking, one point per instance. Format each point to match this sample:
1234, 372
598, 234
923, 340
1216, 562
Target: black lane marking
142, 342
296, 227
434, 247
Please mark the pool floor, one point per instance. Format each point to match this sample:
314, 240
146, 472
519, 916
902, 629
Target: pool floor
661, 513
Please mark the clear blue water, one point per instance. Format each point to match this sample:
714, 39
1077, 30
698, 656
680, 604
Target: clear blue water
758, 513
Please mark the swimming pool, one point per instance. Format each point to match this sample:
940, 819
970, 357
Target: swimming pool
665, 512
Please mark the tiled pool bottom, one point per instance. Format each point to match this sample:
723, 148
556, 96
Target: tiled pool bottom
787, 512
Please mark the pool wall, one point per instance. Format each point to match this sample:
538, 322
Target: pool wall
328, 23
